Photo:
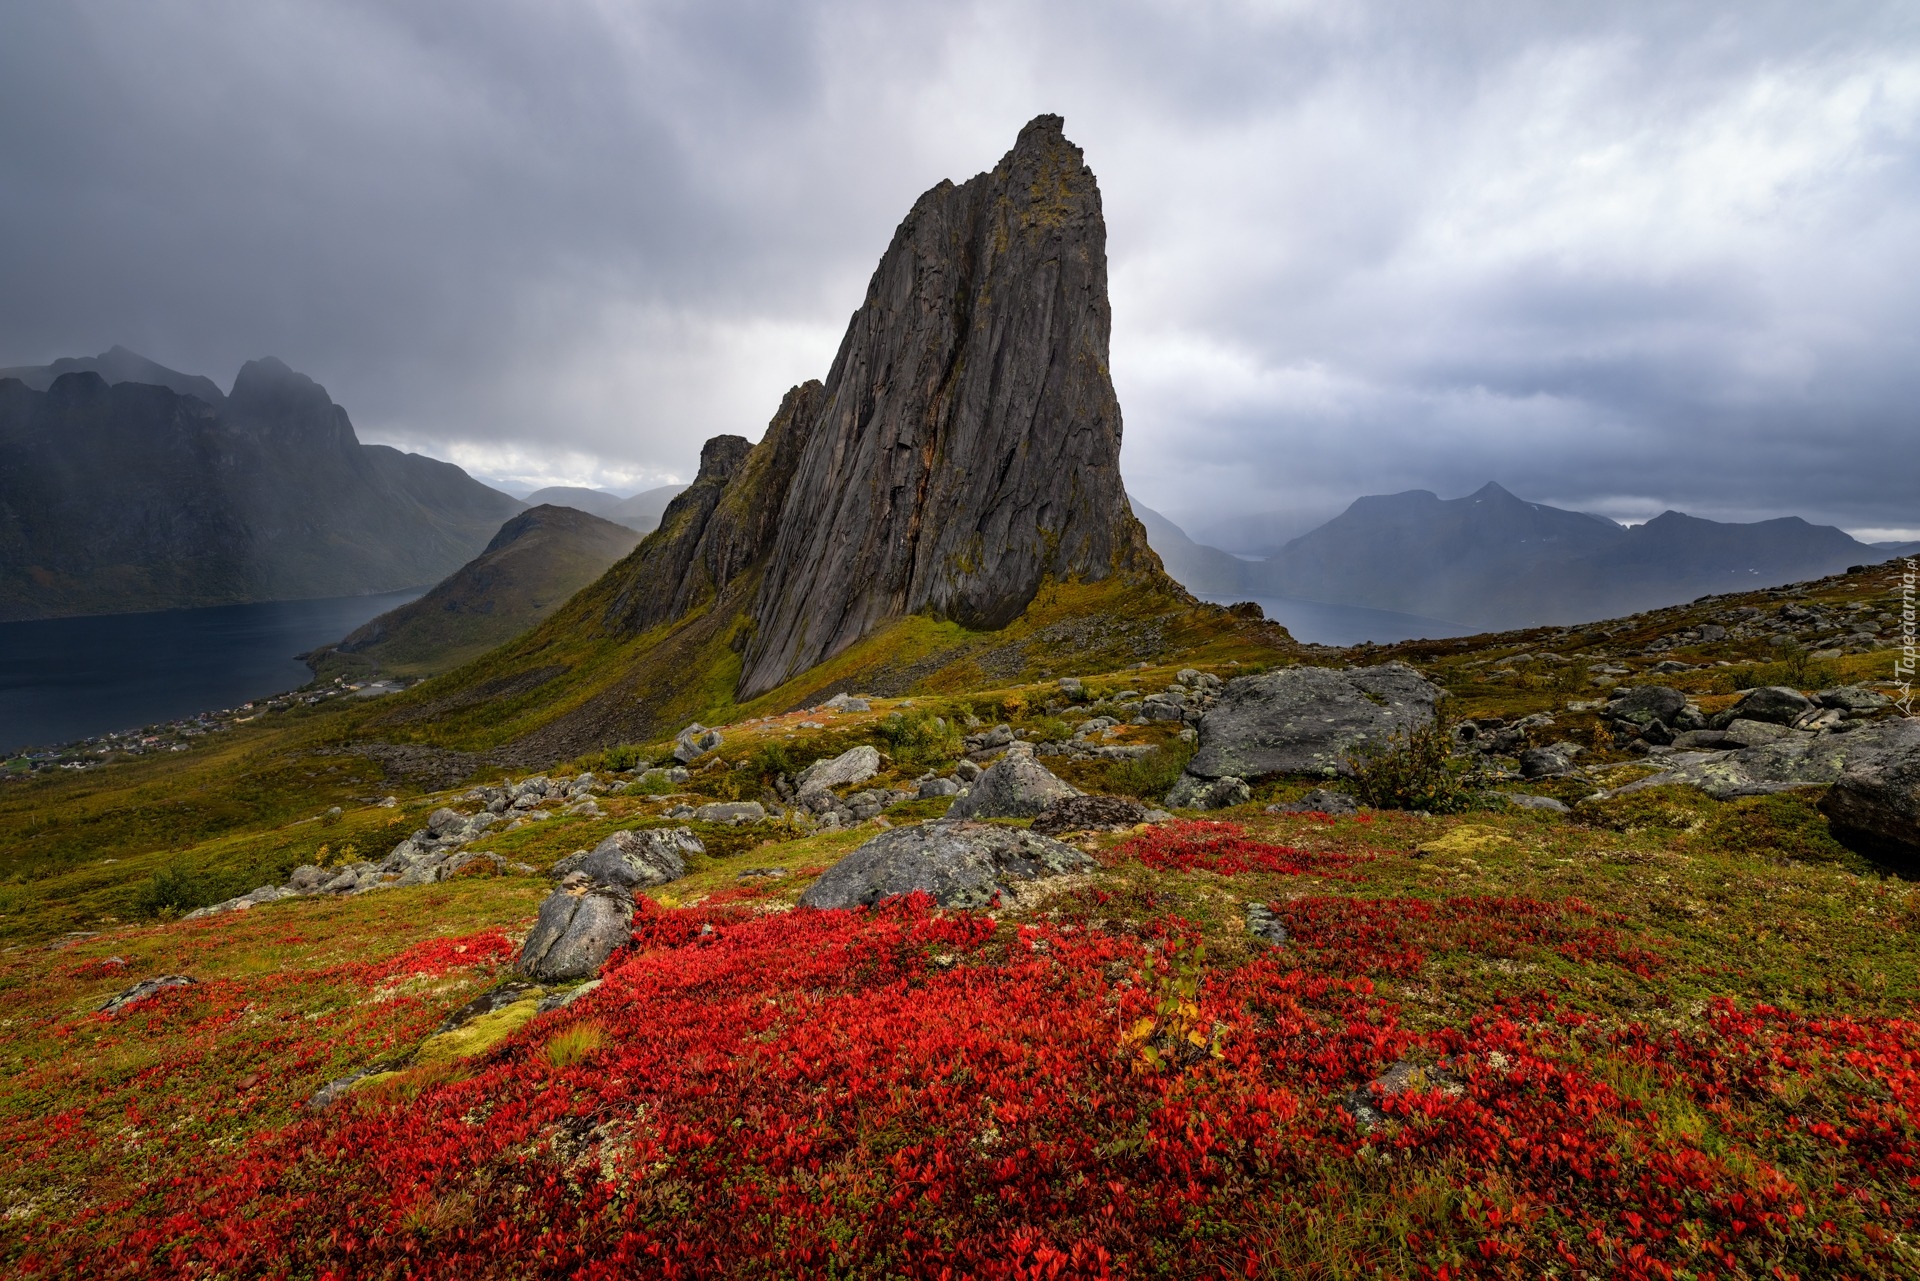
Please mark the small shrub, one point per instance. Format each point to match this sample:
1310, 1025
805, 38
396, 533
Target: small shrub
174, 891
574, 1045
1051, 729
918, 740
1149, 777
1415, 770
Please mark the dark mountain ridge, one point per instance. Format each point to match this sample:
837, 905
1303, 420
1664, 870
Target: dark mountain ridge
130, 496
1494, 560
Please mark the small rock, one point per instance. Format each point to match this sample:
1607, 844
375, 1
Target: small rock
768, 873
1549, 762
1089, 813
934, 788
1529, 802
732, 812
1263, 925
695, 741
1191, 793
1774, 704
144, 990
1320, 800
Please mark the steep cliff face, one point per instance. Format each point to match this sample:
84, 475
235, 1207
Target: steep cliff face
967, 440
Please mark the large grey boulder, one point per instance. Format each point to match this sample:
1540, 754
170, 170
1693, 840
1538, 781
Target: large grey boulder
1017, 786
1644, 704
1876, 801
960, 864
855, 765
576, 931
1773, 704
693, 742
1308, 720
634, 860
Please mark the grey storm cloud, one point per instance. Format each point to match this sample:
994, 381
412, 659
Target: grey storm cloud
1617, 257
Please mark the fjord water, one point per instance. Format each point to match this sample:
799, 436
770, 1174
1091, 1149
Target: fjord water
68, 678
1314, 622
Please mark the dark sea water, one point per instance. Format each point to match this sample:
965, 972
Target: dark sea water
68, 678
1321, 624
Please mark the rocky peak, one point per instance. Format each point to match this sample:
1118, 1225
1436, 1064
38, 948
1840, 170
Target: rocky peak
964, 447
967, 440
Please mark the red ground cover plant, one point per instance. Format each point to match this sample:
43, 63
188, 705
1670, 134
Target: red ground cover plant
1199, 845
906, 1092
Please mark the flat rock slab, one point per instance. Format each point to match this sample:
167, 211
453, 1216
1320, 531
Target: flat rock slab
1307, 720
960, 864
1803, 760
1017, 786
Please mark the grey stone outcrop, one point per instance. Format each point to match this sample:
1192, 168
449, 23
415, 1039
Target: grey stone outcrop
1308, 720
960, 864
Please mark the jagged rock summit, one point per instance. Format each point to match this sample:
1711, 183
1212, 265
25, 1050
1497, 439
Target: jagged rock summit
967, 441
963, 449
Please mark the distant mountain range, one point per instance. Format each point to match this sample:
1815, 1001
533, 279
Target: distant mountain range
1494, 561
641, 512
536, 561
127, 486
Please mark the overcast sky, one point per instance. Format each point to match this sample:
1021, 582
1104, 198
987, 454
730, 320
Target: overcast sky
1619, 257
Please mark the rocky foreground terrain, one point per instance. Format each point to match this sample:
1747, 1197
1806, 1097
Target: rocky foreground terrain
1023, 918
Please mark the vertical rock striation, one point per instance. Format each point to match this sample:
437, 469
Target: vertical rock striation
967, 440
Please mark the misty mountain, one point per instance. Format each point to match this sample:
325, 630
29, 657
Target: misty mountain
1202, 570
595, 502
641, 512
117, 497
118, 365
1493, 560
537, 560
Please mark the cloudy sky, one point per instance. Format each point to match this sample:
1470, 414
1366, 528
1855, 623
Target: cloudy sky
1619, 257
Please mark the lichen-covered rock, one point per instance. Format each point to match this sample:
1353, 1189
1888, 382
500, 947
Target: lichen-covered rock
1308, 720
732, 812
576, 932
1089, 813
1192, 793
967, 441
1876, 801
960, 864
1017, 786
1797, 760
636, 859
855, 765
